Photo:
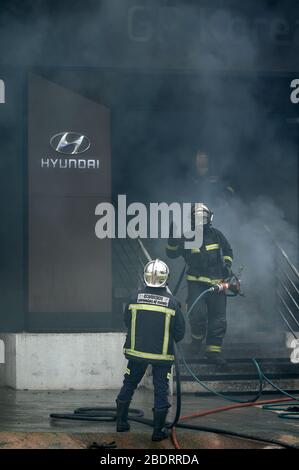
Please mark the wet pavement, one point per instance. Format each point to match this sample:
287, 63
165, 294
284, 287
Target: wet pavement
25, 422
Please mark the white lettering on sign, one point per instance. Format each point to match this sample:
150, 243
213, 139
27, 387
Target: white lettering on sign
153, 299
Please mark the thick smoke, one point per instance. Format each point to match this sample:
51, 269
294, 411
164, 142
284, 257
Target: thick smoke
251, 147
183, 76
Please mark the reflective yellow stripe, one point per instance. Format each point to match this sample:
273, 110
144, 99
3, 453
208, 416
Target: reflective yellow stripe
228, 258
153, 308
211, 348
172, 248
128, 371
195, 250
169, 375
213, 246
163, 357
166, 334
199, 337
133, 328
207, 280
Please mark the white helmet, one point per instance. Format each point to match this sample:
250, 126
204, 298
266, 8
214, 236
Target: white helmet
201, 210
156, 273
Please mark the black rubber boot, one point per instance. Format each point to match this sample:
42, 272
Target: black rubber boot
215, 358
122, 409
160, 432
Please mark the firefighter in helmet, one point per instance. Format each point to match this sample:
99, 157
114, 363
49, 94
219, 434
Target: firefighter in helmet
154, 321
206, 265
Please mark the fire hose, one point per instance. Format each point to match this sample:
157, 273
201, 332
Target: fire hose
268, 404
109, 413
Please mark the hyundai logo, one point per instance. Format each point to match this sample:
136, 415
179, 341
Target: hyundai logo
70, 143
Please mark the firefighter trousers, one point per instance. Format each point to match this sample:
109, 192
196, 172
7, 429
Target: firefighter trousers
208, 317
135, 372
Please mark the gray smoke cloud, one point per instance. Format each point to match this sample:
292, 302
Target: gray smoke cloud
237, 129
178, 77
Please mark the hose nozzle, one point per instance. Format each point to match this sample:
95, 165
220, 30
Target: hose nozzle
221, 286
232, 284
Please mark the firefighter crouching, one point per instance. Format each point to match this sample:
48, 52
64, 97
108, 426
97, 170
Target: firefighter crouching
206, 265
154, 321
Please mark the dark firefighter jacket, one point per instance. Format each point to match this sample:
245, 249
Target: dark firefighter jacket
154, 321
208, 263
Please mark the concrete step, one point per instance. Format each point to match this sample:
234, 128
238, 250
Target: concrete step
240, 370
237, 386
240, 375
245, 351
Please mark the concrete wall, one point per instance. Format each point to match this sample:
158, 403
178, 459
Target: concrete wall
2, 352
83, 361
8, 369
